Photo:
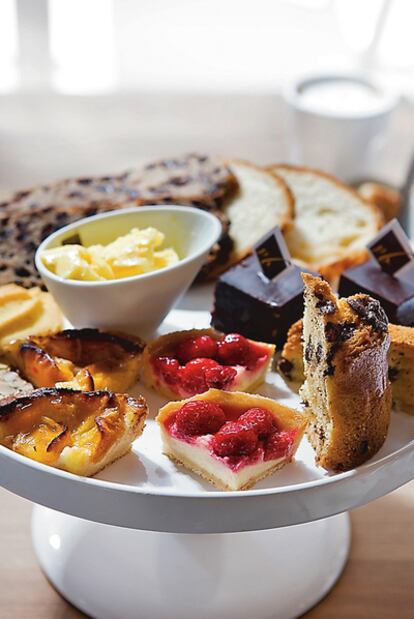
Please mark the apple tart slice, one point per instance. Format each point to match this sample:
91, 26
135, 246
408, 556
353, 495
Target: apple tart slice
77, 431
85, 359
184, 363
231, 439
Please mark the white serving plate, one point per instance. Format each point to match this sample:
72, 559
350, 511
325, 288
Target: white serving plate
145, 490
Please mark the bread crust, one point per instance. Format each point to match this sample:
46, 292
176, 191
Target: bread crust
332, 270
239, 254
350, 400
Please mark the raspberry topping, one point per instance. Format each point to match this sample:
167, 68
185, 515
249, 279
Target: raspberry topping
279, 443
219, 377
198, 417
200, 346
233, 349
193, 377
169, 368
233, 439
260, 420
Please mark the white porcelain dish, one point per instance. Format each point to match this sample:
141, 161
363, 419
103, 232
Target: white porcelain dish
135, 304
145, 490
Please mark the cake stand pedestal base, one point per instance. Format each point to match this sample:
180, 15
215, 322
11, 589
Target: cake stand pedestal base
115, 573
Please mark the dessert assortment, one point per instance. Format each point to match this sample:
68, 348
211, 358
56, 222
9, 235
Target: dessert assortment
181, 364
290, 237
230, 439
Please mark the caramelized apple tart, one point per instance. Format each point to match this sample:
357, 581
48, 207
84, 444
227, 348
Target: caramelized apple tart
184, 363
77, 431
85, 359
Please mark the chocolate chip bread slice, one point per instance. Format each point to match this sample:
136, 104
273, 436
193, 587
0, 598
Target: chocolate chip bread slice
21, 232
12, 385
346, 375
401, 367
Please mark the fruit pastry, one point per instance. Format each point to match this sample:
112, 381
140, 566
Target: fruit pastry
184, 363
231, 439
79, 432
84, 359
346, 387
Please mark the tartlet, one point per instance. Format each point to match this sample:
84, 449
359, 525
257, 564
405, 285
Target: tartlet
86, 359
181, 364
231, 439
77, 431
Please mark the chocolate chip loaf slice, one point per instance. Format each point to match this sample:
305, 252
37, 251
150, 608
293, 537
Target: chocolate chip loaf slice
346, 375
401, 367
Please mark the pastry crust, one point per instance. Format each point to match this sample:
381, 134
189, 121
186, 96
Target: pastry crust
112, 361
165, 344
346, 388
76, 431
288, 419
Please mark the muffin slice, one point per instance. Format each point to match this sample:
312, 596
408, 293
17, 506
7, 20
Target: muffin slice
346, 375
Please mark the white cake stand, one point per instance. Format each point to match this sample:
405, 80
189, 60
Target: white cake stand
146, 540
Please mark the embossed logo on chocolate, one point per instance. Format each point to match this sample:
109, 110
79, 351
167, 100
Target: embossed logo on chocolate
272, 253
391, 248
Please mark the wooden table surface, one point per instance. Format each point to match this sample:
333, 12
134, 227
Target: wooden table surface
48, 137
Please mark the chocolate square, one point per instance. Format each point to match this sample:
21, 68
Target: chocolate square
246, 302
396, 294
391, 248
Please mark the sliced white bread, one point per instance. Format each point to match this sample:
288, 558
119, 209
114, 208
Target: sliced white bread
262, 202
332, 223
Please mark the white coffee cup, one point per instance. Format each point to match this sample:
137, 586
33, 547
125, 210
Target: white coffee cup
337, 122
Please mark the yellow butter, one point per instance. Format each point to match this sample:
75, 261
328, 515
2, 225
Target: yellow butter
134, 253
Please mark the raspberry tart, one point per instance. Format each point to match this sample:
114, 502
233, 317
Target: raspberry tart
181, 364
231, 439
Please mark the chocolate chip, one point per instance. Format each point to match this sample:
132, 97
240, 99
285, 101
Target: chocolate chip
330, 368
339, 332
84, 181
179, 181
318, 353
392, 374
308, 351
285, 366
325, 306
21, 272
370, 311
75, 194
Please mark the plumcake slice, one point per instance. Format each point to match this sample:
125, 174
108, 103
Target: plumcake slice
108, 360
231, 439
332, 223
77, 431
401, 367
346, 387
181, 364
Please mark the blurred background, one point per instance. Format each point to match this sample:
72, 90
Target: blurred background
94, 86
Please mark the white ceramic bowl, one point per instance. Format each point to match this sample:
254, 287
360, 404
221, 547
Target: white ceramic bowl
135, 304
